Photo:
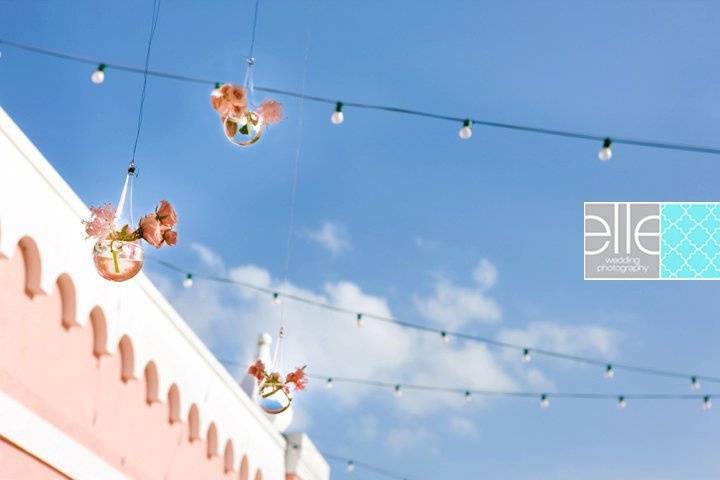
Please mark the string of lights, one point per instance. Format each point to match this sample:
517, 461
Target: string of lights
526, 352
337, 117
351, 465
468, 394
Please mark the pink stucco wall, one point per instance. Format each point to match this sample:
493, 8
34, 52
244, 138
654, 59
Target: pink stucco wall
62, 372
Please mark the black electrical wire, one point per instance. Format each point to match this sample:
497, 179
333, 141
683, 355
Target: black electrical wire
370, 106
366, 466
469, 392
447, 333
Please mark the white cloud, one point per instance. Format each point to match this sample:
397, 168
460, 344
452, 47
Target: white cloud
485, 273
463, 427
570, 339
400, 440
211, 259
453, 306
331, 236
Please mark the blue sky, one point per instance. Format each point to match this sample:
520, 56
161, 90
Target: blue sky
396, 214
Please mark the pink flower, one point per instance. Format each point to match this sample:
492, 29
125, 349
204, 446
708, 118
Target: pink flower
229, 101
170, 237
298, 378
101, 222
166, 214
152, 230
257, 370
271, 111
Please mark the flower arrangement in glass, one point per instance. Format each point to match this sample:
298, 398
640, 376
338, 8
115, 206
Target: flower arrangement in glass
118, 253
275, 395
243, 124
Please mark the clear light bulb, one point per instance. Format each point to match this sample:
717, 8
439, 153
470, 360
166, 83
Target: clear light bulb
609, 372
694, 383
526, 357
466, 130
544, 401
605, 152
398, 391
445, 337
350, 466
216, 91
329, 383
337, 116
276, 298
98, 76
468, 396
188, 281
359, 320
622, 403
707, 402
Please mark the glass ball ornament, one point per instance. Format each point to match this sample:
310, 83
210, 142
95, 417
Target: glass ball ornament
244, 130
274, 398
118, 260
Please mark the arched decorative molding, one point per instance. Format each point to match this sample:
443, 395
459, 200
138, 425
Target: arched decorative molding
127, 359
151, 383
194, 423
258, 475
212, 440
244, 468
66, 287
229, 456
99, 326
174, 403
33, 271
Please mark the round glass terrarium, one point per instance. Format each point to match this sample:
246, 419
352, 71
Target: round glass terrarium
244, 130
274, 398
118, 260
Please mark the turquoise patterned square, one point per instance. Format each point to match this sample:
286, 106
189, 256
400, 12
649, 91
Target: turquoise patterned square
690, 240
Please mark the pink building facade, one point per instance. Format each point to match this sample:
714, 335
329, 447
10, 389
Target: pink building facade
105, 381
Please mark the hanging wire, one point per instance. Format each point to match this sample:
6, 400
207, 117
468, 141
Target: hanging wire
153, 27
353, 314
365, 466
465, 392
378, 107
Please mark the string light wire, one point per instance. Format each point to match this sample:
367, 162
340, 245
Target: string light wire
467, 393
615, 366
378, 107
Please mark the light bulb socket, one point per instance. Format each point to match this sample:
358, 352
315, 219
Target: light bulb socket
189, 276
338, 106
101, 67
467, 123
217, 85
607, 142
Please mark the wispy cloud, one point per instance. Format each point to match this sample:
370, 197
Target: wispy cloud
400, 440
453, 306
463, 426
331, 236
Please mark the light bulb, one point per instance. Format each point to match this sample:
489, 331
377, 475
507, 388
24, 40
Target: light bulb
609, 372
445, 337
359, 320
98, 76
622, 403
276, 298
526, 357
694, 383
707, 402
188, 281
398, 391
605, 152
337, 116
216, 91
350, 466
329, 383
544, 401
466, 130
468, 396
